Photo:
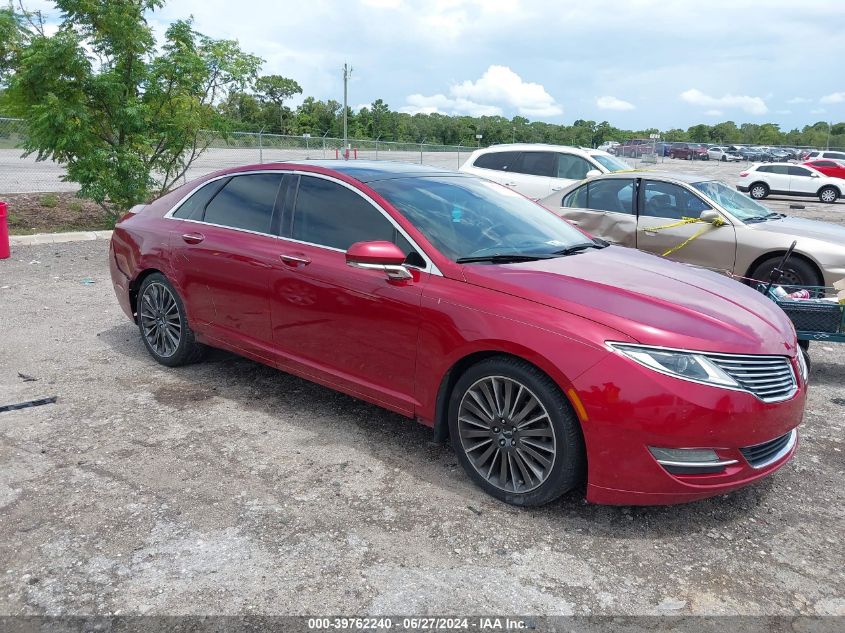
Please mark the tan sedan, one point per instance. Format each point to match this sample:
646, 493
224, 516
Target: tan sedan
734, 235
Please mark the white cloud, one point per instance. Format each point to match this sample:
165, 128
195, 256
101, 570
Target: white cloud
612, 103
836, 97
497, 88
799, 100
751, 105
714, 113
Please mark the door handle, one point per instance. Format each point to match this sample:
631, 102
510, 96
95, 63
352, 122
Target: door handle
193, 238
295, 260
558, 188
510, 184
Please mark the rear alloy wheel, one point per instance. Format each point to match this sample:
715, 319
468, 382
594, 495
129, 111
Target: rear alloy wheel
514, 433
759, 190
828, 194
164, 327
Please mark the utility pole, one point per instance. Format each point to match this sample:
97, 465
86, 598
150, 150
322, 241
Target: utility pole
346, 72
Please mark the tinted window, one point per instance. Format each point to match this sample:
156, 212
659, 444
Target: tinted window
535, 164
667, 200
194, 206
245, 202
833, 155
824, 163
766, 169
329, 214
798, 171
778, 169
576, 199
572, 167
501, 161
615, 195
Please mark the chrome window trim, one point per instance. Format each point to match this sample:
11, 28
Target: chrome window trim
430, 265
789, 396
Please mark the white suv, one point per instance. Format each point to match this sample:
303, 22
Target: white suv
536, 170
817, 154
760, 180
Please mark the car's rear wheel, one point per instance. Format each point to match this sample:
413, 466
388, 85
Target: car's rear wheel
828, 194
759, 190
796, 273
164, 325
724, 158
514, 433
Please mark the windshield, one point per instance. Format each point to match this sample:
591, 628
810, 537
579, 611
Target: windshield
740, 205
469, 217
611, 163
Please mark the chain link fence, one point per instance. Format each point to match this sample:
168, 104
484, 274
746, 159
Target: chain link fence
26, 175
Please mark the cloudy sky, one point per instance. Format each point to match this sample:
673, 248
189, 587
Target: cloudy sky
635, 63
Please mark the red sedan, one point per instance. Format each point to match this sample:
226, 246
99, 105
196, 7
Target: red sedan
550, 359
829, 167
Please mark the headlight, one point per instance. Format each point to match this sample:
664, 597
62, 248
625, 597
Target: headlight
687, 365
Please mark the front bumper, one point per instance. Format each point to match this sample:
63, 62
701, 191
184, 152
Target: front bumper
642, 408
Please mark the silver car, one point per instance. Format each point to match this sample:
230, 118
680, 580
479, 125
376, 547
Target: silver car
724, 230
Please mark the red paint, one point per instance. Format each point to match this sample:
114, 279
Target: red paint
306, 311
823, 165
383, 253
4, 231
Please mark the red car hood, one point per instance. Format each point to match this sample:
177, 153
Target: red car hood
652, 300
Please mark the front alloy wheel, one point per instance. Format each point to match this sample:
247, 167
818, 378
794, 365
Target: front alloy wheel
507, 434
514, 432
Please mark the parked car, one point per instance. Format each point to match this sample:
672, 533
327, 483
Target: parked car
621, 208
722, 154
829, 167
636, 148
546, 356
688, 151
537, 170
760, 181
816, 154
751, 154
777, 154
608, 146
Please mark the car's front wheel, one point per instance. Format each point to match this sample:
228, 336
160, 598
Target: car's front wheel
514, 433
164, 325
828, 194
797, 273
759, 190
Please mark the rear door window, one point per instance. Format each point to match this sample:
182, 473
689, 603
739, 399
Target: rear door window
500, 161
245, 202
194, 207
535, 164
796, 171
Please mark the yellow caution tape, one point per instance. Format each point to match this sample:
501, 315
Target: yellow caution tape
715, 223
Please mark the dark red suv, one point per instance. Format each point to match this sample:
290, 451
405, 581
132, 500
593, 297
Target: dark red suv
688, 151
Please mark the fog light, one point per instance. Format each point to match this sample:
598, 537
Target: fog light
690, 461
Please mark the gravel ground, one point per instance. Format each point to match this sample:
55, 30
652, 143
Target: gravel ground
228, 487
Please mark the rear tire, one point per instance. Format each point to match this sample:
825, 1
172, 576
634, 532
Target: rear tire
828, 194
758, 190
724, 158
163, 323
509, 456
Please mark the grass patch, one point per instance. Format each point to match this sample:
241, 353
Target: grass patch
51, 201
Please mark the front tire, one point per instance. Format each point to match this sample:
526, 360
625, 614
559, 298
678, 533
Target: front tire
828, 194
164, 325
758, 190
797, 272
514, 433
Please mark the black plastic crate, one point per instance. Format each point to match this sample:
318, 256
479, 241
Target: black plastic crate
814, 316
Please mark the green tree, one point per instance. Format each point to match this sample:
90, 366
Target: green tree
123, 118
275, 89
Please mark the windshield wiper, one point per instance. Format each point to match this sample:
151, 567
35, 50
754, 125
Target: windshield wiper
502, 258
762, 218
577, 248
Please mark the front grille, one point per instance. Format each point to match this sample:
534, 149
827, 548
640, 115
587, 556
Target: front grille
770, 378
761, 455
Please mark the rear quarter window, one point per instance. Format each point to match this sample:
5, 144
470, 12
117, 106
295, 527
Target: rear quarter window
500, 161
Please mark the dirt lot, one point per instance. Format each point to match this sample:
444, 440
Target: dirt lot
228, 487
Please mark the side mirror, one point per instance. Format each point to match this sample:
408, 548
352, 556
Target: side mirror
814, 175
709, 216
384, 256
593, 173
